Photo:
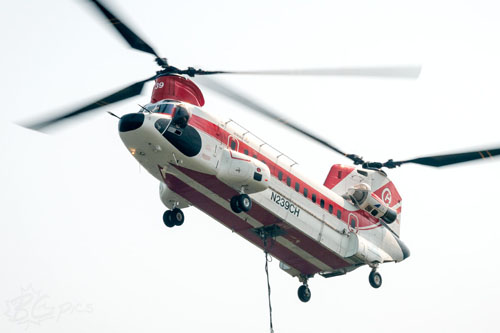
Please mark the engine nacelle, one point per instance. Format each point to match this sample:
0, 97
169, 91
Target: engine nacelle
240, 171
365, 199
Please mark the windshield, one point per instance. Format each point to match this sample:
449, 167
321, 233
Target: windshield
166, 108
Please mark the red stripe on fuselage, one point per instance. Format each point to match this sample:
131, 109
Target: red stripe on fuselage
265, 217
211, 129
237, 224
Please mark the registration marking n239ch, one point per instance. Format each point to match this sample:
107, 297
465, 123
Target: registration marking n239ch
285, 203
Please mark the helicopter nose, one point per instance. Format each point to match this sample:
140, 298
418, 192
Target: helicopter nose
130, 122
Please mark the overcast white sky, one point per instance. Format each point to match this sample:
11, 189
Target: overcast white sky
82, 244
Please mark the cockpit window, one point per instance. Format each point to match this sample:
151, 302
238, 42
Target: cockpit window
166, 108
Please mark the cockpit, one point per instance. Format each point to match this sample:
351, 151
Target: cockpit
165, 106
178, 111
175, 128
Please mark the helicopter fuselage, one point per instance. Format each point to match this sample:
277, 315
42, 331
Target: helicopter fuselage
316, 229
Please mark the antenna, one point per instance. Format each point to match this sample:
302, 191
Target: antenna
114, 115
144, 108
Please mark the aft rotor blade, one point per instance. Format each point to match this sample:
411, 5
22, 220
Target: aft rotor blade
131, 37
125, 93
402, 72
449, 159
238, 97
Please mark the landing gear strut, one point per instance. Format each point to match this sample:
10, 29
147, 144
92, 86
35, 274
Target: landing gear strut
375, 278
304, 292
173, 217
241, 203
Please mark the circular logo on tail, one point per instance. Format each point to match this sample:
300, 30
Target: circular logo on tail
387, 196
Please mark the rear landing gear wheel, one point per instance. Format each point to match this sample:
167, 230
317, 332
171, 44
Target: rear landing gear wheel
375, 279
166, 219
304, 293
177, 217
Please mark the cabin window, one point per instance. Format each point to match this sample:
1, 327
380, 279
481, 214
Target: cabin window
297, 186
314, 197
280, 175
353, 223
322, 203
339, 214
330, 209
254, 156
263, 162
245, 151
288, 181
233, 145
305, 191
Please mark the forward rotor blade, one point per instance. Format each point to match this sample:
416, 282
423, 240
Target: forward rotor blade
444, 160
128, 92
132, 39
403, 72
238, 97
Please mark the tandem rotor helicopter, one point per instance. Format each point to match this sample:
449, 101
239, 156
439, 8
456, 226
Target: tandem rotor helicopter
216, 165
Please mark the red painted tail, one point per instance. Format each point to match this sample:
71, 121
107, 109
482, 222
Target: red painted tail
342, 177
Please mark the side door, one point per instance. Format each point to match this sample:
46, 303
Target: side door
233, 143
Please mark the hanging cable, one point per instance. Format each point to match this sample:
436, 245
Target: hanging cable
268, 260
265, 233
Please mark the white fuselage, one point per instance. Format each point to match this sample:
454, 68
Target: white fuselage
328, 236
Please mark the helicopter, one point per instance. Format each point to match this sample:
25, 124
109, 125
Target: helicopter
218, 166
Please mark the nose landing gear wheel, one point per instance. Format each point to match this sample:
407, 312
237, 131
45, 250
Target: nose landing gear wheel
304, 293
375, 279
174, 217
166, 219
177, 217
